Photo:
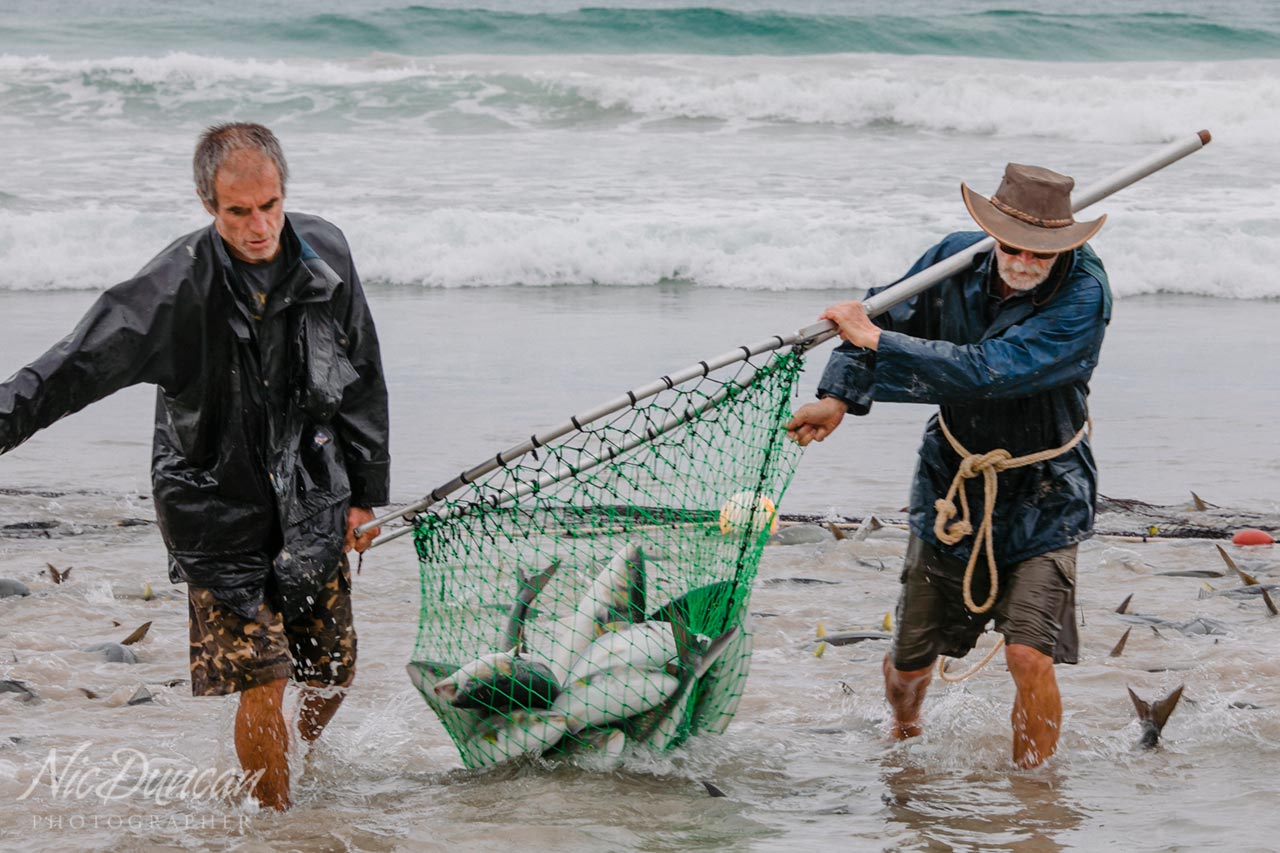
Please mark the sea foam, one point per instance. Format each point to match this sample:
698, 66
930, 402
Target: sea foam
1087, 102
796, 247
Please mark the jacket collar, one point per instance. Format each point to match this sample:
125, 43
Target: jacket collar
322, 282
309, 278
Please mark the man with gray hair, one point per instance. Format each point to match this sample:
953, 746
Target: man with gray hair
270, 442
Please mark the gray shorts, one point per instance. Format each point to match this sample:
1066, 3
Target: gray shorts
1035, 606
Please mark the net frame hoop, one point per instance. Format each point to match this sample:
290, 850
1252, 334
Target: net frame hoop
579, 422
807, 337
568, 471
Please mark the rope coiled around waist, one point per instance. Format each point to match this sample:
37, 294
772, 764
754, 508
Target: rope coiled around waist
988, 466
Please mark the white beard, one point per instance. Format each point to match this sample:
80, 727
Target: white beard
1021, 275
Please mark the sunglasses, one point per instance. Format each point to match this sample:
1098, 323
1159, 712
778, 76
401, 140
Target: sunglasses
1043, 256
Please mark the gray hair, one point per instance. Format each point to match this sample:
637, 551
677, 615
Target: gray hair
220, 141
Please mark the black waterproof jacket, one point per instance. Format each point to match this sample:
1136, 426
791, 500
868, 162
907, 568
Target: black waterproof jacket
252, 481
1009, 373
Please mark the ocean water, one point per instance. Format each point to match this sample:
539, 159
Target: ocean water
732, 145
551, 203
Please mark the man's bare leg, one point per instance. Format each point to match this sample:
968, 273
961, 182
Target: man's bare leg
1037, 707
905, 691
262, 743
318, 707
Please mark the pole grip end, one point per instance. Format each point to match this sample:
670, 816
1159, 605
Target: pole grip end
1205, 137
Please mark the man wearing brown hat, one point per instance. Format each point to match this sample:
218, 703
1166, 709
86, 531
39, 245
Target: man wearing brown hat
1005, 349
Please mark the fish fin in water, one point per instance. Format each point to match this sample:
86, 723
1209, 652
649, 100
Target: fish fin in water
869, 525
1119, 647
1161, 710
1271, 605
1245, 578
1156, 714
137, 635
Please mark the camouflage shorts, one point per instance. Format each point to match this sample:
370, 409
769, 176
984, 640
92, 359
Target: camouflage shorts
230, 653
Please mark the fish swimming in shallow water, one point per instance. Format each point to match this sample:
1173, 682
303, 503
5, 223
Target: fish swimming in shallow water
1239, 593
12, 588
845, 638
1200, 625
113, 652
23, 692
1153, 717
1245, 578
145, 593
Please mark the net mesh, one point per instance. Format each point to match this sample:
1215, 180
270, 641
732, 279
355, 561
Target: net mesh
592, 594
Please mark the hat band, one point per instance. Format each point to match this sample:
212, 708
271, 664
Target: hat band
1027, 217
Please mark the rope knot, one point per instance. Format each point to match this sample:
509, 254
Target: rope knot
979, 463
947, 532
988, 465
944, 508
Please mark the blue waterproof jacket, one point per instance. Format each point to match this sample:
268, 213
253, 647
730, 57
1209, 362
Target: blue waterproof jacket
1009, 373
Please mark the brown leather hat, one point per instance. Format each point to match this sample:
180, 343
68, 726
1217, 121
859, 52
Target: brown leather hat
1031, 211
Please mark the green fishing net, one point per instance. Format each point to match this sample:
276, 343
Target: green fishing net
593, 593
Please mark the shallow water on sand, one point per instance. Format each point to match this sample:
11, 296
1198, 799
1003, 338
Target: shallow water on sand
804, 762
1184, 397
